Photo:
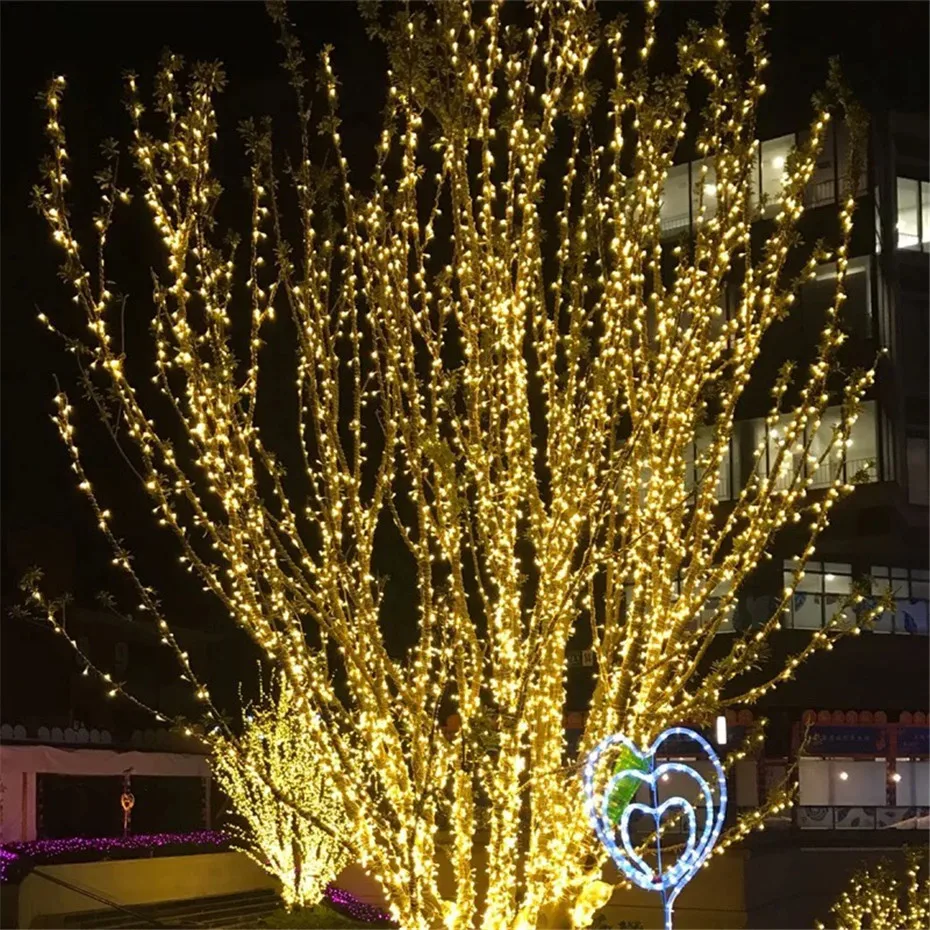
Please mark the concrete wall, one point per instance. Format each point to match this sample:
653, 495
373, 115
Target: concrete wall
759, 889
794, 887
150, 881
138, 881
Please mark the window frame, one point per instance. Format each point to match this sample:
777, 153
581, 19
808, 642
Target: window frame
923, 236
893, 576
821, 569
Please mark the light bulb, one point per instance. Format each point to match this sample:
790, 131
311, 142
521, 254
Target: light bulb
844, 776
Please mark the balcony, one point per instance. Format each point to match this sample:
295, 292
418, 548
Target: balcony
862, 818
825, 474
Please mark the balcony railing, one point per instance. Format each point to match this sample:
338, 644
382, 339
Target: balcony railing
675, 224
861, 818
816, 194
824, 475
837, 817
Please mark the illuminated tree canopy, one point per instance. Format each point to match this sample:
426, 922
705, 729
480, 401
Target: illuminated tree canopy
274, 750
501, 365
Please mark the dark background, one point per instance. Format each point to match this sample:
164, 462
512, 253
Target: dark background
883, 51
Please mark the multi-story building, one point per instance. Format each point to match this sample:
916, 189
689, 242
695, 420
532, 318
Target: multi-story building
864, 762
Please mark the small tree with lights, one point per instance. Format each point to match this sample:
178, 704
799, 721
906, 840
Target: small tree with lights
502, 365
880, 898
274, 752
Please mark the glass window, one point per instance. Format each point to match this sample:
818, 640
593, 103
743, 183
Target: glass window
819, 295
925, 212
712, 605
819, 594
702, 439
914, 787
719, 315
751, 436
823, 468
789, 461
674, 214
889, 450
841, 782
863, 785
908, 216
695, 468
918, 469
842, 145
756, 177
879, 232
911, 590
821, 189
862, 452
856, 313
704, 190
774, 160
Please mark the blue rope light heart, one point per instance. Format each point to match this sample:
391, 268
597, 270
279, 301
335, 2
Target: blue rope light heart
607, 815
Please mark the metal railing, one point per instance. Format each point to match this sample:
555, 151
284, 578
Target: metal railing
861, 818
808, 818
143, 919
816, 194
819, 193
824, 475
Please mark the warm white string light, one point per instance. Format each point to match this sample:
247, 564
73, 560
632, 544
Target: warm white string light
521, 406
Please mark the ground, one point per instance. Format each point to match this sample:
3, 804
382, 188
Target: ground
321, 916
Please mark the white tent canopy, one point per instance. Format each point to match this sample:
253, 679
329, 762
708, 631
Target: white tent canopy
19, 766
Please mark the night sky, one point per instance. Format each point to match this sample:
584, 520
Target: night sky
882, 46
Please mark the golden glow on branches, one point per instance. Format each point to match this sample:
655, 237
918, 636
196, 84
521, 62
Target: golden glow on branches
881, 898
509, 369
275, 750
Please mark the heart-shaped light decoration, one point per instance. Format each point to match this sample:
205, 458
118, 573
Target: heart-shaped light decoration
600, 808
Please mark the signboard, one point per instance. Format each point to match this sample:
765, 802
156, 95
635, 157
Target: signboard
846, 741
913, 741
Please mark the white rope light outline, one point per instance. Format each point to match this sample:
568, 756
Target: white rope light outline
669, 883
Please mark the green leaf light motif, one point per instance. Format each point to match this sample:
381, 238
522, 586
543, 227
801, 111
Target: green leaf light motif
625, 788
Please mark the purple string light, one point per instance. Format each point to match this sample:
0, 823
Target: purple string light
14, 855
355, 908
47, 849
8, 859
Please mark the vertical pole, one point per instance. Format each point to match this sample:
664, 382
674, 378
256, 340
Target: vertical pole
24, 813
666, 904
891, 765
207, 812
